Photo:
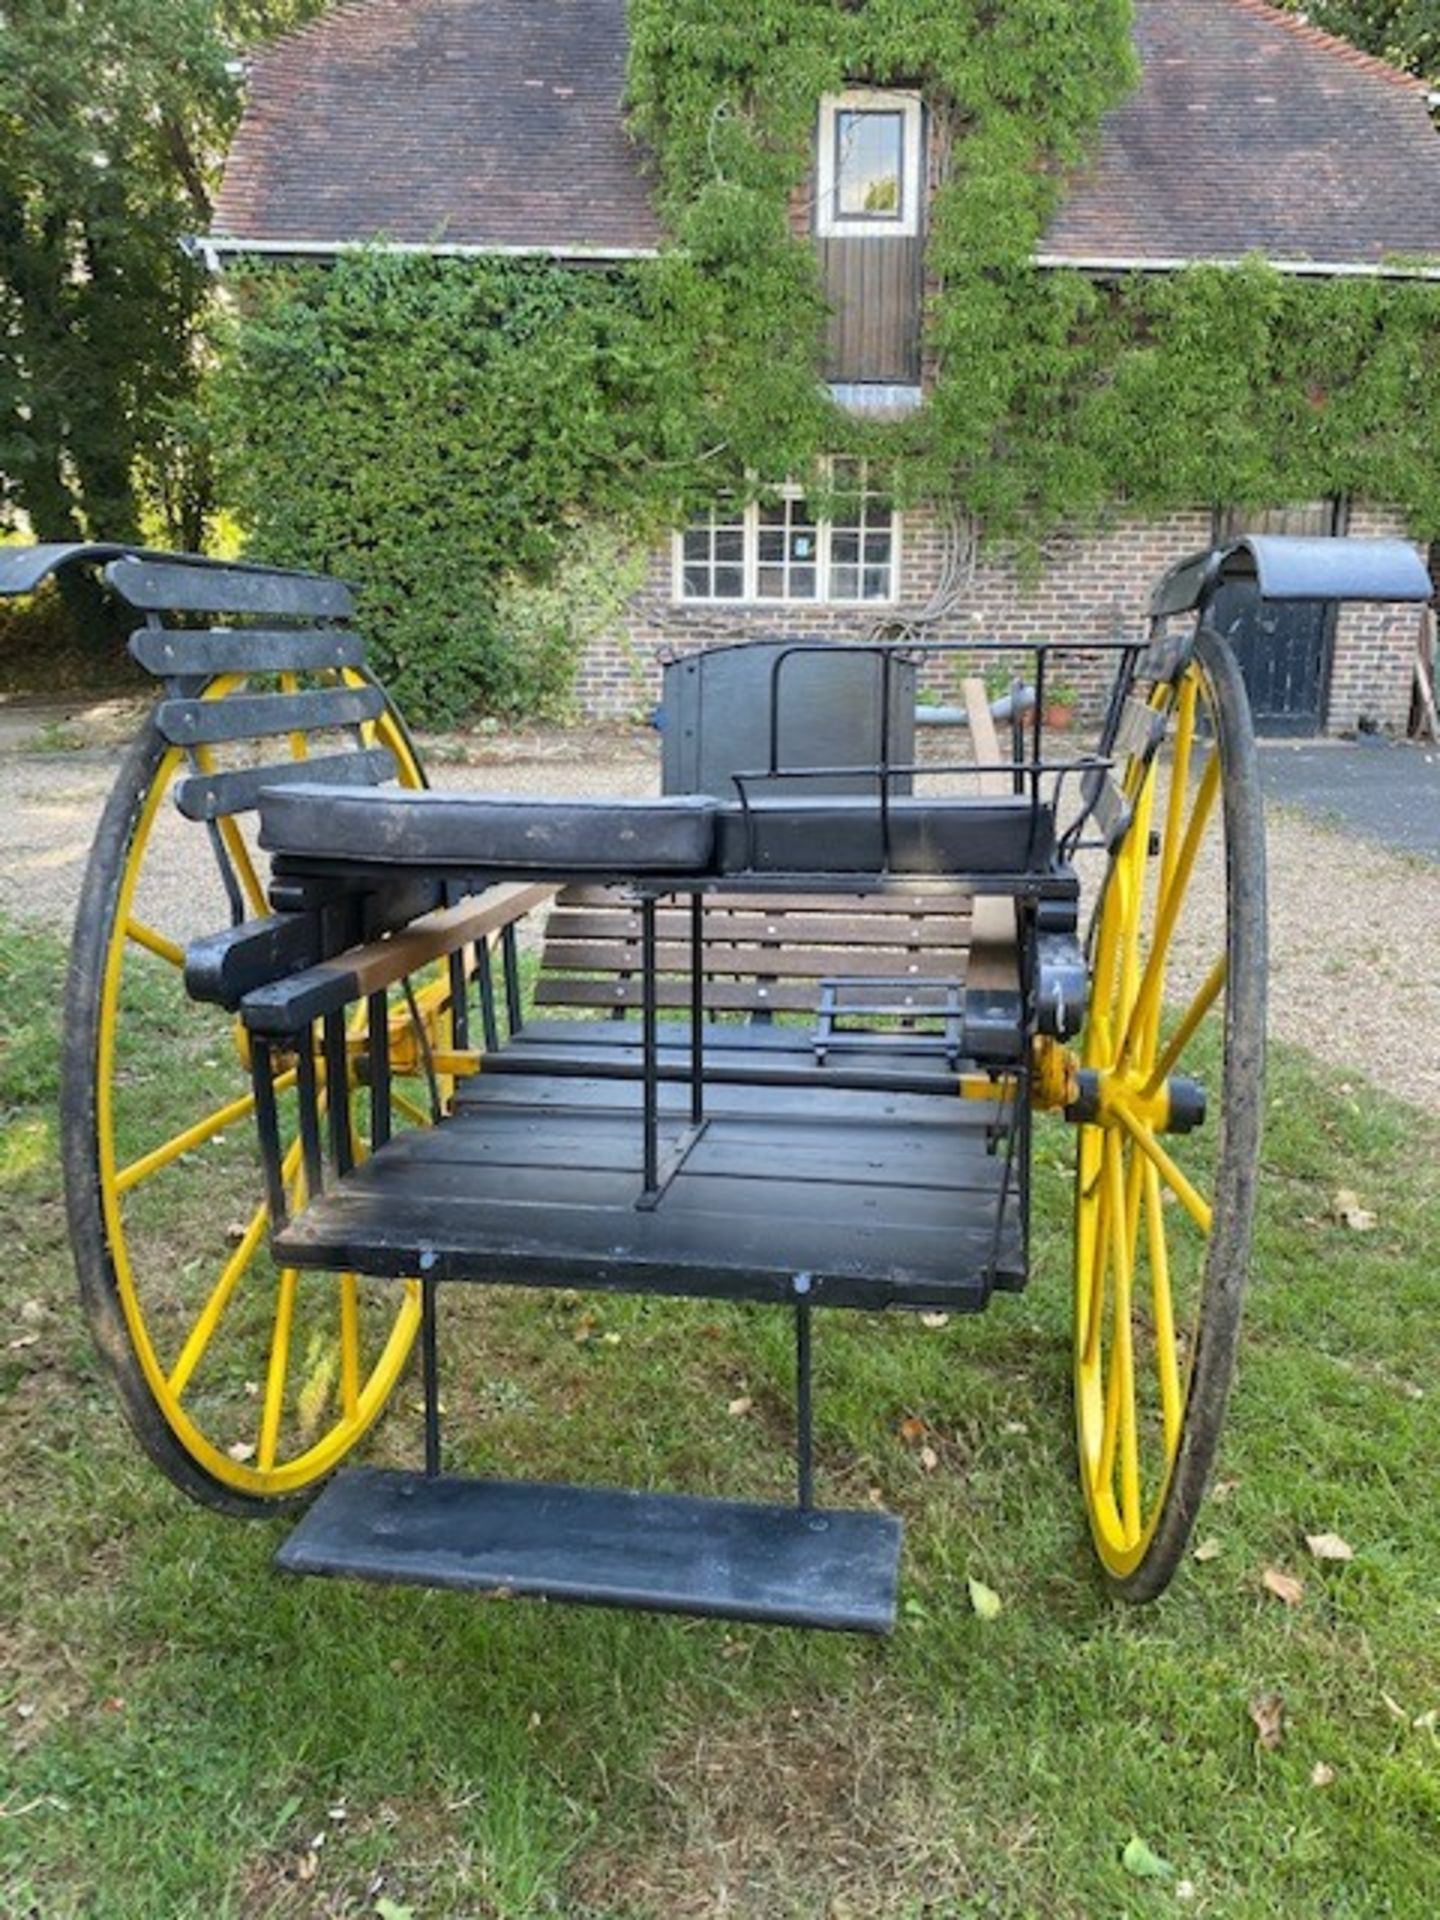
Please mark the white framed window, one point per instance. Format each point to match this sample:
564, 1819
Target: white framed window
781, 551
869, 164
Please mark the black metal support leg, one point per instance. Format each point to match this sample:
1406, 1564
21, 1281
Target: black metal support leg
267, 1121
697, 1009
309, 1112
804, 1406
459, 1000
513, 1017
337, 1093
379, 1022
649, 1047
430, 1368
484, 972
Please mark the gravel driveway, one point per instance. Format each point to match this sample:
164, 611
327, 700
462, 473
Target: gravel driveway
1355, 930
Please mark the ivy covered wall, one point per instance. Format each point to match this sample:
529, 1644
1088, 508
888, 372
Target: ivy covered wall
447, 431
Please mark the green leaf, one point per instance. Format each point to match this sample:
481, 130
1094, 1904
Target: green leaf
986, 1602
1143, 1862
388, 1909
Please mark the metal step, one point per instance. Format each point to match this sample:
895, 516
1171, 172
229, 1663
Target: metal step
602, 1546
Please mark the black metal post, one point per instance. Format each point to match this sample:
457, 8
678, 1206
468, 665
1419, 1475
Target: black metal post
512, 979
309, 1111
650, 1055
430, 1370
459, 999
486, 976
804, 1410
337, 1092
379, 1018
697, 1008
267, 1123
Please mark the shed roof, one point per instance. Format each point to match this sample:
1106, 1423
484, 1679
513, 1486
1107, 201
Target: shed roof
497, 125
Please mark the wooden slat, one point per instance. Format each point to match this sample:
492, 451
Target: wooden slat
788, 962
211, 796
258, 716
166, 586
816, 929
993, 933
909, 899
184, 653
749, 996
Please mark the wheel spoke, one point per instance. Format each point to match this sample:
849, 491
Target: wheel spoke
349, 1344
196, 1136
1147, 1001
1189, 1023
279, 1368
1194, 1202
1167, 1358
157, 943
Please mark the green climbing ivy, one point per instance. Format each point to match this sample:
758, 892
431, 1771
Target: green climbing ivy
447, 430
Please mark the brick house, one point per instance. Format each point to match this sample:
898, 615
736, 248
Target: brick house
478, 127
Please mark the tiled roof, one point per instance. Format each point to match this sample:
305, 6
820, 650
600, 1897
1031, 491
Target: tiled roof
1256, 132
498, 123
493, 123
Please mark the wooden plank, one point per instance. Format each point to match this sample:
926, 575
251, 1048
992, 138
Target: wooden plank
557, 990
212, 796
994, 939
787, 962
916, 901
288, 1004
166, 586
188, 653
810, 929
259, 716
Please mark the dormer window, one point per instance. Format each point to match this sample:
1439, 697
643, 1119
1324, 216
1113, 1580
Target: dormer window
869, 172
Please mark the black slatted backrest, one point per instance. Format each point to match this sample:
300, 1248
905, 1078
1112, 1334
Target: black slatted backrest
282, 627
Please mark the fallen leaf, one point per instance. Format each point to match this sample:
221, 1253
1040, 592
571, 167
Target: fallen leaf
1185, 1890
929, 1459
1322, 1774
738, 1408
986, 1602
1284, 1586
306, 1867
913, 1430
1143, 1862
32, 1312
1268, 1713
1394, 1708
235, 1233
1428, 1721
1223, 1489
1015, 1426
1349, 1212
1208, 1549
609, 1339
1329, 1546
388, 1909
23, 1340
934, 1321
241, 1450
25, 1709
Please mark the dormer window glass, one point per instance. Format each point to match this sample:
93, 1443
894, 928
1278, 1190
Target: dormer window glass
869, 172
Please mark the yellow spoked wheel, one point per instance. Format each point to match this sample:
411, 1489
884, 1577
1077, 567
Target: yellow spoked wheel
245, 1384
1172, 1072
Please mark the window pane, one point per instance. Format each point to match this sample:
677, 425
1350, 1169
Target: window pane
877, 583
770, 583
844, 548
697, 583
772, 546
730, 545
844, 583
697, 543
802, 583
729, 583
877, 548
772, 513
867, 164
802, 543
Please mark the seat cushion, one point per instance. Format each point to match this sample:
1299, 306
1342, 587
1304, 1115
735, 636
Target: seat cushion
938, 834
483, 833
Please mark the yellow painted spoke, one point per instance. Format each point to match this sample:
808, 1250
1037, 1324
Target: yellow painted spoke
196, 1136
1167, 1358
299, 745
157, 943
1193, 1201
1179, 780
245, 867
1147, 1000
1185, 1032
1119, 1378
1094, 1306
409, 1108
349, 1344
279, 1367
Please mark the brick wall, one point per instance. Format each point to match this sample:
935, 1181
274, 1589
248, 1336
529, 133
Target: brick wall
1084, 589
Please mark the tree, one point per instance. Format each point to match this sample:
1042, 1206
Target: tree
1405, 32
112, 116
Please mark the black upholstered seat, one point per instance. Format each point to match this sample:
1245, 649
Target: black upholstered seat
483, 832
849, 833
689, 834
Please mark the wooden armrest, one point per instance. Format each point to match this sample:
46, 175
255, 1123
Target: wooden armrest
285, 1006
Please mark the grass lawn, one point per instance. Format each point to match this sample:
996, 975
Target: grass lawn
186, 1733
